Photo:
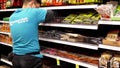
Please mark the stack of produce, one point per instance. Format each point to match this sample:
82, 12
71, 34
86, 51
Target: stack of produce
90, 18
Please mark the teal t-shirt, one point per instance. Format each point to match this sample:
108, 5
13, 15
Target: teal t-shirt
24, 30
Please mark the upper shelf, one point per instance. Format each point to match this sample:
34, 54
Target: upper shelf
93, 27
71, 7
109, 22
3, 21
4, 10
60, 7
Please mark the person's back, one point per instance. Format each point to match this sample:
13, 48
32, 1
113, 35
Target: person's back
24, 31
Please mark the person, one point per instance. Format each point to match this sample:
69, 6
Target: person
24, 24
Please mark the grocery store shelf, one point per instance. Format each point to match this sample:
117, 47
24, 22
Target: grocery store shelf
59, 7
109, 22
4, 10
6, 44
71, 7
6, 61
83, 45
71, 61
5, 33
4, 22
115, 48
94, 27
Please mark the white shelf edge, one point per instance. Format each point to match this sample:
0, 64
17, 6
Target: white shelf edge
115, 48
94, 27
5, 33
6, 61
70, 7
71, 61
109, 22
83, 45
6, 44
4, 10
59, 7
4, 21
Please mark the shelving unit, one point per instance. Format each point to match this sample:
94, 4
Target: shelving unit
5, 44
93, 27
5, 33
115, 48
60, 7
7, 10
71, 61
83, 45
6, 61
109, 22
4, 22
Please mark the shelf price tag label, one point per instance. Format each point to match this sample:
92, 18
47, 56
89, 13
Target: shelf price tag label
58, 61
77, 66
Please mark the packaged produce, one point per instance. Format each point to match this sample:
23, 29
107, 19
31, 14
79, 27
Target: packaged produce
104, 61
69, 18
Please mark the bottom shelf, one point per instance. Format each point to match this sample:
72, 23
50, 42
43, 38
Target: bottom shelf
6, 61
71, 61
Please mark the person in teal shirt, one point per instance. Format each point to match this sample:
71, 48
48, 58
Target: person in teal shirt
24, 24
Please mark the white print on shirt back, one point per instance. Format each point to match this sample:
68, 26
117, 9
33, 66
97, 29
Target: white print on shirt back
19, 21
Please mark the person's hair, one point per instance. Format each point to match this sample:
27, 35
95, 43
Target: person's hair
27, 1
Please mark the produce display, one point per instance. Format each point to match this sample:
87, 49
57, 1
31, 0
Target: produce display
112, 38
67, 36
90, 18
73, 56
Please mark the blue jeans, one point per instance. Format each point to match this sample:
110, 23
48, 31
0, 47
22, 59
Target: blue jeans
26, 61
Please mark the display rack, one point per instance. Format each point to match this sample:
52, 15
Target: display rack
109, 22
7, 10
6, 61
5, 33
6, 44
115, 48
93, 27
71, 61
60, 7
4, 22
83, 45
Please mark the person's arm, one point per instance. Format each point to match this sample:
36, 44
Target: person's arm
49, 16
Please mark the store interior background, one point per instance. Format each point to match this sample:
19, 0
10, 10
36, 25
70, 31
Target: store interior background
50, 62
